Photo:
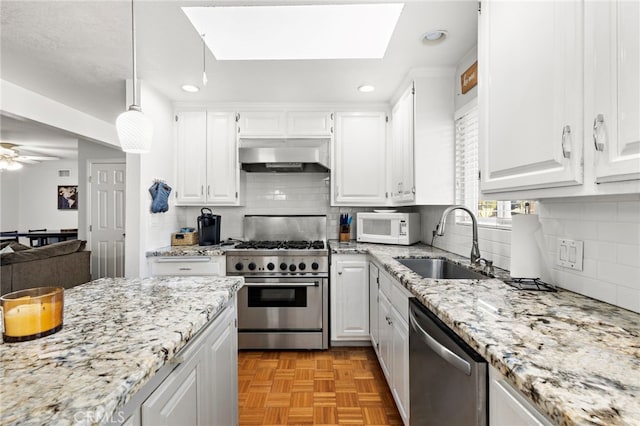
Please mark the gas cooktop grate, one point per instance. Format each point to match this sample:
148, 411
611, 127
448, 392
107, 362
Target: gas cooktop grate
532, 284
287, 245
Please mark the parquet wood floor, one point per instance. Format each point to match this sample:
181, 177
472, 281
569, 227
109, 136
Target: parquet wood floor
340, 386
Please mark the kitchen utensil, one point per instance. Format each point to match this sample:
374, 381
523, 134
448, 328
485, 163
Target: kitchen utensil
32, 313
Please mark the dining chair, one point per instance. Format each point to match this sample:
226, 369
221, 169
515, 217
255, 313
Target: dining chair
38, 241
8, 236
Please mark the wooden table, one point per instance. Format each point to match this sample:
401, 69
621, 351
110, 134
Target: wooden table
43, 236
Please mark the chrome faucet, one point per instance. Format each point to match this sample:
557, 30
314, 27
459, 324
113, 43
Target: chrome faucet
475, 251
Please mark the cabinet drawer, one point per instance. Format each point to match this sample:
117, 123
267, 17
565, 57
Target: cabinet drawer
397, 295
201, 265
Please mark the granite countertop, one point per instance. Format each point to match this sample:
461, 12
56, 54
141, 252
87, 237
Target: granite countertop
576, 358
215, 250
117, 334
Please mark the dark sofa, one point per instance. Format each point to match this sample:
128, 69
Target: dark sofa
65, 264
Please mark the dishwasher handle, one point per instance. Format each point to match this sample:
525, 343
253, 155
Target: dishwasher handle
438, 348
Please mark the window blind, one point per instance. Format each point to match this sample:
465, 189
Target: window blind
467, 187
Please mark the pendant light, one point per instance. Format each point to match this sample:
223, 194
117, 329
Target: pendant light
205, 80
135, 130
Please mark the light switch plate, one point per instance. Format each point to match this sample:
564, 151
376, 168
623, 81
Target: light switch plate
569, 253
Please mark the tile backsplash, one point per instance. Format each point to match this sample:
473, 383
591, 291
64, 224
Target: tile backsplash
608, 226
279, 194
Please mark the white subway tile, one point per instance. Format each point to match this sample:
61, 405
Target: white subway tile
606, 252
625, 233
599, 290
619, 274
628, 298
628, 255
601, 212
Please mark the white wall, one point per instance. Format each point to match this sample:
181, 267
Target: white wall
146, 231
30, 197
609, 226
9, 193
467, 60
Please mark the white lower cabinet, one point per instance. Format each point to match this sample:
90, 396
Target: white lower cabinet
349, 296
374, 285
508, 407
202, 390
393, 341
187, 265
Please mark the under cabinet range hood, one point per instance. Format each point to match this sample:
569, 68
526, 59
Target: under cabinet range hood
284, 155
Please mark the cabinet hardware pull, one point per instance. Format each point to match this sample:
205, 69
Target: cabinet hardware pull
339, 273
208, 189
597, 123
566, 132
184, 269
201, 189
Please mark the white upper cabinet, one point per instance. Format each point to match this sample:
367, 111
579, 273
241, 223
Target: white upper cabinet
530, 93
401, 185
262, 124
206, 156
309, 124
191, 148
223, 173
612, 29
272, 124
358, 170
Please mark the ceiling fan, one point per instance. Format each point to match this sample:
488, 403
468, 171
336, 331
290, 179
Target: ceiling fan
12, 156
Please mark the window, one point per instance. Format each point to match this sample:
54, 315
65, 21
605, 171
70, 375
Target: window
489, 213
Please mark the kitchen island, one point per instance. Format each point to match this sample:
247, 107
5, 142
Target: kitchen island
577, 359
118, 333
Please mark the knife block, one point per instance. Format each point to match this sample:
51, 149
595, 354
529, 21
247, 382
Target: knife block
345, 233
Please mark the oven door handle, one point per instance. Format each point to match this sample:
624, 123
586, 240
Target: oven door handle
283, 284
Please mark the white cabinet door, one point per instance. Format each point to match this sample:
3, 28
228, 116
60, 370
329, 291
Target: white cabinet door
401, 187
223, 172
349, 297
400, 364
191, 139
222, 366
359, 159
385, 337
530, 93
177, 401
262, 124
309, 124
507, 407
614, 29
374, 285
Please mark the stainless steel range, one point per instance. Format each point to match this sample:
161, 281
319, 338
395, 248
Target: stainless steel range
284, 302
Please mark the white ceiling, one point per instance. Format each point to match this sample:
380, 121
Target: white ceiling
37, 139
78, 52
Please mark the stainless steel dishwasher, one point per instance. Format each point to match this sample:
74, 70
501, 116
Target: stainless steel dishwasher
448, 383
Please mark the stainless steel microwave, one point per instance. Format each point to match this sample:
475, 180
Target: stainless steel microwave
388, 228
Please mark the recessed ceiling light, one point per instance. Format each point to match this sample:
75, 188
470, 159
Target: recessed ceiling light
296, 32
433, 37
366, 88
190, 88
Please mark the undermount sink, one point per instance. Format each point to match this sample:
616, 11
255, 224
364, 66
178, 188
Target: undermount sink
437, 268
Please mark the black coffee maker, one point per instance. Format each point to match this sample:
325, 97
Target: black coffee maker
208, 228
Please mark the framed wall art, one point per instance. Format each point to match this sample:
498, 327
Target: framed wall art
67, 197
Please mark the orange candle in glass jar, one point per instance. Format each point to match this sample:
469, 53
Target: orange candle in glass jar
32, 318
32, 313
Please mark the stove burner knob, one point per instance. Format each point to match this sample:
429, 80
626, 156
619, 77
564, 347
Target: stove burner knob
239, 266
252, 266
283, 266
302, 266
315, 266
292, 267
270, 266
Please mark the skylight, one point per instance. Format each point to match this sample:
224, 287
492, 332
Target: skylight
337, 31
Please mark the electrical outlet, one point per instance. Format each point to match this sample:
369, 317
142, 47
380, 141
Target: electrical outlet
569, 253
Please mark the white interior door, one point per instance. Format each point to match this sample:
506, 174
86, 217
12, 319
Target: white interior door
106, 227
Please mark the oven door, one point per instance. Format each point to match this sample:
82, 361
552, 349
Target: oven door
285, 304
